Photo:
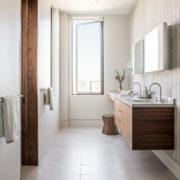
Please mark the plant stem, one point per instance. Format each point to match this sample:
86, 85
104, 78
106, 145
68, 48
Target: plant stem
120, 85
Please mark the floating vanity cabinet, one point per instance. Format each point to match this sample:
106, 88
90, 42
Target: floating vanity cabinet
123, 120
145, 128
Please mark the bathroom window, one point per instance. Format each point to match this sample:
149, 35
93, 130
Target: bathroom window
87, 57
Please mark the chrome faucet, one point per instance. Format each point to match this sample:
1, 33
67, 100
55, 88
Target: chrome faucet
160, 90
137, 83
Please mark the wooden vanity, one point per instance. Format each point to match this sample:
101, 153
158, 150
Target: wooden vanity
145, 128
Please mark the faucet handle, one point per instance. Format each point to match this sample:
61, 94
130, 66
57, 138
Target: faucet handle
158, 99
131, 92
149, 94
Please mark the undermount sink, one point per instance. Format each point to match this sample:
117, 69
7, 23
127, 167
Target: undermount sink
135, 101
142, 100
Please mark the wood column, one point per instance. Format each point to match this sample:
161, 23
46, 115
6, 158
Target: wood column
29, 82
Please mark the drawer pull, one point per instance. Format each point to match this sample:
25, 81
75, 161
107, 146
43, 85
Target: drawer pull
121, 111
121, 122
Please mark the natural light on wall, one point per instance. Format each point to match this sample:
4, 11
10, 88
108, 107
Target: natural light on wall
151, 51
87, 56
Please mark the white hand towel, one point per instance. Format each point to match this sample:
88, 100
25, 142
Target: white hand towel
46, 97
11, 118
125, 92
1, 121
51, 98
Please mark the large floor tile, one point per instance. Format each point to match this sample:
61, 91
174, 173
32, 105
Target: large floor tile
104, 177
60, 177
111, 169
32, 173
87, 154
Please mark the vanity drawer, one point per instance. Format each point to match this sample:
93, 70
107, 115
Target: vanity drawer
119, 114
124, 109
120, 106
123, 120
121, 126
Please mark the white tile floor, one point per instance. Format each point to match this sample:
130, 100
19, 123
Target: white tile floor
87, 154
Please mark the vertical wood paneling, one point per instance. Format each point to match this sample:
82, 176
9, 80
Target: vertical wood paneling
29, 82
24, 82
146, 15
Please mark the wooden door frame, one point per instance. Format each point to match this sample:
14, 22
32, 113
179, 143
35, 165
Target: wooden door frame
29, 82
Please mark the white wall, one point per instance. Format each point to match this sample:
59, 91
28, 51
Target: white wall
55, 51
10, 38
64, 71
48, 120
116, 55
146, 15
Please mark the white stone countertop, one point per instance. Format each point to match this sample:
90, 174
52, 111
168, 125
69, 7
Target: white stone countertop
137, 102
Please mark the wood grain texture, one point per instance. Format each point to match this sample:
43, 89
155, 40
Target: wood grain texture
123, 120
145, 128
29, 82
24, 84
120, 115
122, 127
109, 125
153, 128
129, 127
146, 15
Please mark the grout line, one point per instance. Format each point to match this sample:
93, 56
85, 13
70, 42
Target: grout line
81, 160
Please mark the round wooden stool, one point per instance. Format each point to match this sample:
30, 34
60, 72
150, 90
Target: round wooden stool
109, 125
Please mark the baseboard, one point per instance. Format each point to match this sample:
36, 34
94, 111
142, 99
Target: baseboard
64, 123
86, 123
172, 165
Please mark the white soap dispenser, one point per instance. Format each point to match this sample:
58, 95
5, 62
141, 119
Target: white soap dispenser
145, 93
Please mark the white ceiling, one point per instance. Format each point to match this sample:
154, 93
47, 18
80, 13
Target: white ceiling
96, 6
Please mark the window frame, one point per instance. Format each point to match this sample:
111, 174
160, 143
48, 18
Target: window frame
101, 63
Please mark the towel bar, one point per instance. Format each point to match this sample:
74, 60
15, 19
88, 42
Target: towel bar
19, 96
43, 89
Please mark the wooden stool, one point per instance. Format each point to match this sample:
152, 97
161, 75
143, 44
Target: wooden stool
109, 125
